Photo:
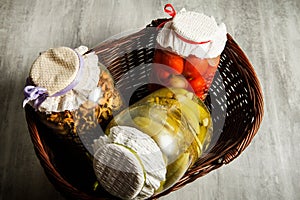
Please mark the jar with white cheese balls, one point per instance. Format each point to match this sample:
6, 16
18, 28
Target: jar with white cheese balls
149, 146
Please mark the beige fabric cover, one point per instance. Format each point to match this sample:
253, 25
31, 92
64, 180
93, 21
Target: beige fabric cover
56, 68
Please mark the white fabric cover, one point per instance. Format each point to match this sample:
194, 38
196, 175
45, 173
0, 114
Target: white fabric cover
147, 150
195, 27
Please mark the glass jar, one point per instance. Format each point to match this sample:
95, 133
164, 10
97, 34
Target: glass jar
191, 73
188, 51
71, 94
81, 126
177, 121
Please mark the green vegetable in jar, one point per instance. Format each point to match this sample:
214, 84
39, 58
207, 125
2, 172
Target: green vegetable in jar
177, 125
178, 121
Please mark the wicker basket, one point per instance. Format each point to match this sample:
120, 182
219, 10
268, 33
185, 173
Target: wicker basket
235, 101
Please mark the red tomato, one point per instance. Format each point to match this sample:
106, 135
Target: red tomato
160, 72
172, 60
201, 95
198, 84
163, 74
195, 67
157, 56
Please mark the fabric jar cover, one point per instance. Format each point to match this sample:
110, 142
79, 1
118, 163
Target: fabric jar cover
191, 33
128, 163
62, 79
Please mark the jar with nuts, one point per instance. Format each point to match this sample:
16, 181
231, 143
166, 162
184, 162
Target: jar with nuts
72, 92
74, 98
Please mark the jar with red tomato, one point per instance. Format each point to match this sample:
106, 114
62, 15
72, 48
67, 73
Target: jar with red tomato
188, 51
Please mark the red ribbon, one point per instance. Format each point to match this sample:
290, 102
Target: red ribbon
169, 9
189, 41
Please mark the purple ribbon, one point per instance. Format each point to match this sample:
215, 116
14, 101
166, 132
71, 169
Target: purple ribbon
36, 94
39, 94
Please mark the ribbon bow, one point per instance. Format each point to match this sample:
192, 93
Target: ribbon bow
170, 10
36, 94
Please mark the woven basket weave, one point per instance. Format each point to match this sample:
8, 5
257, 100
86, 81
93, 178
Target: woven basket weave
235, 101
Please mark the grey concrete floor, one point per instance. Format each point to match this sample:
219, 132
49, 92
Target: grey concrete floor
267, 30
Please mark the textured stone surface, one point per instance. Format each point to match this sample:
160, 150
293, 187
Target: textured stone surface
269, 33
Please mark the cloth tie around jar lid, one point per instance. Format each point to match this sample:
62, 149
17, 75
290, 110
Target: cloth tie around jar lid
128, 163
192, 33
62, 79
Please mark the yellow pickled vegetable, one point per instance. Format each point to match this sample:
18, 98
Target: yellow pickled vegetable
178, 121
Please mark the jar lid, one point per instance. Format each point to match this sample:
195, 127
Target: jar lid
55, 69
193, 26
192, 33
61, 79
130, 155
119, 171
